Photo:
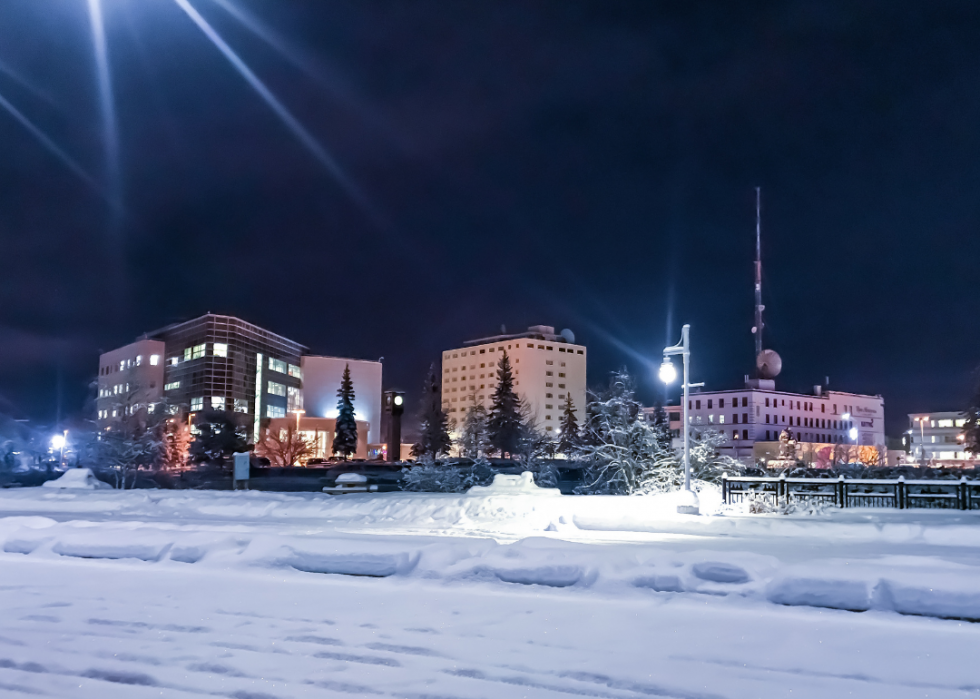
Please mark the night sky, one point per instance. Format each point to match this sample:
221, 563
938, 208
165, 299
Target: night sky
588, 165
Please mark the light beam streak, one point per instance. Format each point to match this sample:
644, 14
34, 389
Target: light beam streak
50, 145
26, 84
293, 124
110, 134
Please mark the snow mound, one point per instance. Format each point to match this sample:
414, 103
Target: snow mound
512, 485
78, 478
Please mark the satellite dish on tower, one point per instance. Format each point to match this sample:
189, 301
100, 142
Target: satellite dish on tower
769, 364
568, 335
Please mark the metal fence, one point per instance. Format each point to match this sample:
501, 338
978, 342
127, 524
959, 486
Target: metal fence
856, 492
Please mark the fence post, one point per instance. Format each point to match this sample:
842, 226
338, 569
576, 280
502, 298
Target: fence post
962, 492
900, 493
841, 492
724, 488
781, 488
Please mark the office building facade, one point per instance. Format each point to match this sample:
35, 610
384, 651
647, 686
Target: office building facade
752, 419
219, 362
547, 368
937, 439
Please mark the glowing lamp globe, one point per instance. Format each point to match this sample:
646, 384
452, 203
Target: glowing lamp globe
853, 433
58, 441
667, 372
398, 400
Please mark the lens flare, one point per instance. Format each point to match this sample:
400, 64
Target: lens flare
50, 145
110, 132
293, 124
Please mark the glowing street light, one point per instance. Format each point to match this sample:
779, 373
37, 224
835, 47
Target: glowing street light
689, 504
58, 444
853, 433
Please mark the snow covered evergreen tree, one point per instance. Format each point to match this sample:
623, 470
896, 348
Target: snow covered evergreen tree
568, 440
505, 429
345, 439
971, 429
434, 429
219, 435
474, 438
623, 452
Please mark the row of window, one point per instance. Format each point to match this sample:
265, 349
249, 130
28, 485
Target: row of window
695, 404
220, 349
154, 359
530, 345
239, 405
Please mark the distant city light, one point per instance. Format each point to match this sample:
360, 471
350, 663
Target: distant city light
667, 372
58, 442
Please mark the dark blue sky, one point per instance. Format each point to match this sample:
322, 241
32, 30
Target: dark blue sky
583, 165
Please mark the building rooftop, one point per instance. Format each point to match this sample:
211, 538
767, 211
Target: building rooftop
535, 332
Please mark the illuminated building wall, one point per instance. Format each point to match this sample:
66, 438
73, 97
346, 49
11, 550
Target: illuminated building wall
546, 367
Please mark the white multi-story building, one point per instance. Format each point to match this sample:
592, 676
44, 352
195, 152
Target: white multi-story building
937, 439
547, 368
751, 420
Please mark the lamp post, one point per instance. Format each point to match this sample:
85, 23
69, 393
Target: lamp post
689, 504
922, 442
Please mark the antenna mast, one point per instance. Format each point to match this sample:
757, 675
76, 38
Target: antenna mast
757, 330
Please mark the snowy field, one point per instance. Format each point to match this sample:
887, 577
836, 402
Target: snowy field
502, 593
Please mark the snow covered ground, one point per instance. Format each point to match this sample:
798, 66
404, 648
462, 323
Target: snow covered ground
264, 595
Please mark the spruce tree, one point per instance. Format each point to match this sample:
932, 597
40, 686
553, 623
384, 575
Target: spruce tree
434, 430
568, 440
474, 438
505, 428
345, 439
971, 428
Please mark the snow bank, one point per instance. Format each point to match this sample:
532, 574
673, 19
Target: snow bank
512, 485
907, 585
82, 478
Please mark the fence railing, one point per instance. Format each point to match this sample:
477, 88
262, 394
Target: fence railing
856, 492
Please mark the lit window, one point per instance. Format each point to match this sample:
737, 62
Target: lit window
174, 361
172, 386
150, 407
945, 423
295, 371
295, 398
197, 404
961, 422
241, 405
275, 411
198, 351
187, 354
277, 389
721, 419
154, 359
218, 402
220, 349
115, 413
277, 365
122, 365
139, 360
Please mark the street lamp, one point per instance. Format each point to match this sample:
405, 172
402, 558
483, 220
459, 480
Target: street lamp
298, 413
58, 443
689, 504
